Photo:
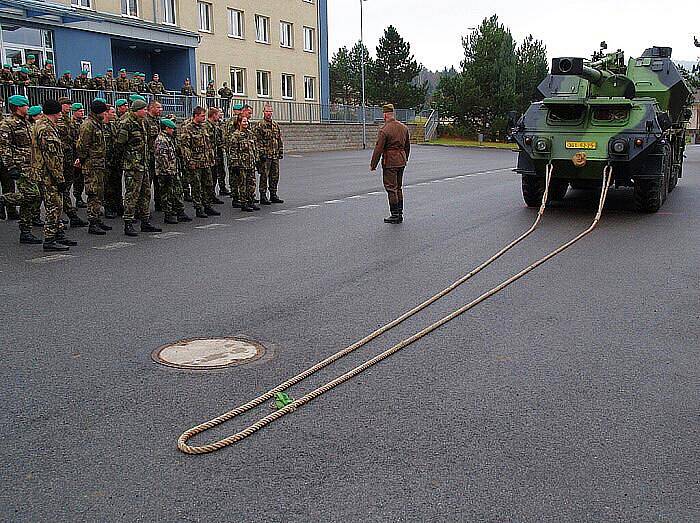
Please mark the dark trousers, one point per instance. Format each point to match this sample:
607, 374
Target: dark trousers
393, 180
78, 184
8, 186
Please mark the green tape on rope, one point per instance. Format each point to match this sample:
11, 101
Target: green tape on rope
282, 400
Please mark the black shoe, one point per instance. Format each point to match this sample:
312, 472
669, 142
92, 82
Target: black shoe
216, 201
110, 214
394, 218
236, 204
95, 229
37, 222
29, 238
224, 192
211, 212
256, 200
276, 199
76, 221
201, 214
182, 217
147, 227
254, 207
264, 200
80, 204
247, 208
187, 197
66, 241
53, 246
170, 219
12, 213
129, 229
104, 226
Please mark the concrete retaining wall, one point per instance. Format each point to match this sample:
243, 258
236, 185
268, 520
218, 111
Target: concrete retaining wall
308, 137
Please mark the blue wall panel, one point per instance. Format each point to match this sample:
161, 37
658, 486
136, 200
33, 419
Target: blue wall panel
133, 60
323, 50
71, 46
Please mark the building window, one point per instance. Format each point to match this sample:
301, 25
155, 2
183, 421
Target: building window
309, 88
236, 25
262, 29
263, 84
287, 86
19, 42
207, 73
85, 4
169, 12
286, 34
238, 81
130, 8
309, 39
204, 17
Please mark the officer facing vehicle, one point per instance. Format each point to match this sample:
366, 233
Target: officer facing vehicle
393, 147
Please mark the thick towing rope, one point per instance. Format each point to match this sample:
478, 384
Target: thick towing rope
286, 407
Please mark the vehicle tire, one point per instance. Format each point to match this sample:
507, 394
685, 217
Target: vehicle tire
649, 194
533, 189
673, 180
557, 190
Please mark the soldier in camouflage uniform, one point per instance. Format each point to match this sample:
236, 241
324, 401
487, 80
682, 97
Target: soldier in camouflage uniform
96, 83
243, 153
65, 81
32, 69
6, 75
132, 149
73, 135
92, 155
7, 183
82, 81
155, 86
16, 154
123, 83
47, 77
114, 204
65, 133
198, 159
48, 166
271, 152
216, 138
22, 77
108, 80
211, 94
137, 84
152, 124
234, 181
34, 114
168, 173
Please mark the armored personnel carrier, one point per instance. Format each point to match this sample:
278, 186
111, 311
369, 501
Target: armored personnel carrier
605, 112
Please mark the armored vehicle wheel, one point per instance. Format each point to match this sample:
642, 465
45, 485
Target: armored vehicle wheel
557, 190
649, 194
673, 181
533, 189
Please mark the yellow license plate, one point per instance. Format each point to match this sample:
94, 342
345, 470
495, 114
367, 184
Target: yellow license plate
581, 145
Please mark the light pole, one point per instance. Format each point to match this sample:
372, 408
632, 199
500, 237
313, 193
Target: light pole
362, 61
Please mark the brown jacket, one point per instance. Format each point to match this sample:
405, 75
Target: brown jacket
393, 145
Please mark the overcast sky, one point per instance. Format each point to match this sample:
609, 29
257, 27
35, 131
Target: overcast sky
434, 28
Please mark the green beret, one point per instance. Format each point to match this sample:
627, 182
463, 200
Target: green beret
100, 100
24, 70
110, 70
137, 105
66, 72
18, 100
168, 123
34, 110
8, 66
31, 57
98, 76
77, 106
120, 102
122, 70
238, 106
49, 62
84, 71
134, 97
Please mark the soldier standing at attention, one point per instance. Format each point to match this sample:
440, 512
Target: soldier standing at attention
6, 76
65, 81
244, 151
155, 86
152, 124
114, 204
393, 147
198, 160
64, 128
34, 114
167, 172
122, 106
48, 165
22, 77
74, 134
82, 81
216, 138
271, 151
123, 84
16, 154
187, 89
226, 94
211, 94
108, 80
230, 127
47, 77
32, 69
92, 154
132, 149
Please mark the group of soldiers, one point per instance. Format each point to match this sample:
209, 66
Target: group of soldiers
121, 152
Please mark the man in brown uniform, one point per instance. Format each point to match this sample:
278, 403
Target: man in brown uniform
393, 147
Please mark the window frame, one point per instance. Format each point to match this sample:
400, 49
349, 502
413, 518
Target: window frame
231, 11
267, 19
126, 3
313, 88
204, 79
173, 3
290, 80
312, 40
233, 83
290, 25
210, 18
258, 83
77, 4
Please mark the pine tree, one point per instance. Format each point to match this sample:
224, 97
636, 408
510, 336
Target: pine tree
532, 68
342, 85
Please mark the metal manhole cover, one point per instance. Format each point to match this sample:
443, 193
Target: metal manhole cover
208, 353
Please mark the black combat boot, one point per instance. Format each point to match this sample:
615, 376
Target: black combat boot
129, 228
182, 217
28, 238
201, 214
223, 191
275, 199
399, 210
236, 204
253, 206
247, 207
77, 221
53, 246
61, 238
79, 203
216, 201
211, 212
95, 228
37, 222
264, 200
104, 226
170, 219
148, 227
394, 217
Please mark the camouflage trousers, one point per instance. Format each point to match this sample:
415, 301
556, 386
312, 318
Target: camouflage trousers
218, 174
246, 188
26, 196
157, 193
113, 190
137, 196
234, 180
78, 184
201, 186
53, 203
94, 185
68, 207
36, 206
269, 175
171, 190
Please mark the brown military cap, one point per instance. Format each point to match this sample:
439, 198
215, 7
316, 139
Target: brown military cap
388, 108
64, 100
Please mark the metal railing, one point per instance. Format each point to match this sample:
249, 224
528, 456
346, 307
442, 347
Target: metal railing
181, 106
431, 125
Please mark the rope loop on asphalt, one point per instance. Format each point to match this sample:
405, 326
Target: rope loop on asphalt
262, 422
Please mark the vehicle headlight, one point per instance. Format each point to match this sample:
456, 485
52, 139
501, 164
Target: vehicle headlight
619, 146
542, 145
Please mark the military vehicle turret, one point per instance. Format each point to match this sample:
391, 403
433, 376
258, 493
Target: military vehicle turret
603, 112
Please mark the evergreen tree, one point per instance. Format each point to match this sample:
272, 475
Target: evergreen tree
532, 68
342, 84
356, 54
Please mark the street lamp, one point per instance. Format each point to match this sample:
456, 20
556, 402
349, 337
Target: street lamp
362, 61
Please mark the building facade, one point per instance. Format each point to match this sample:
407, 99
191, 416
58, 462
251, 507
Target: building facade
263, 49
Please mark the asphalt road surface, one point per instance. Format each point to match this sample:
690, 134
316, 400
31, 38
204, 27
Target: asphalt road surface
572, 395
